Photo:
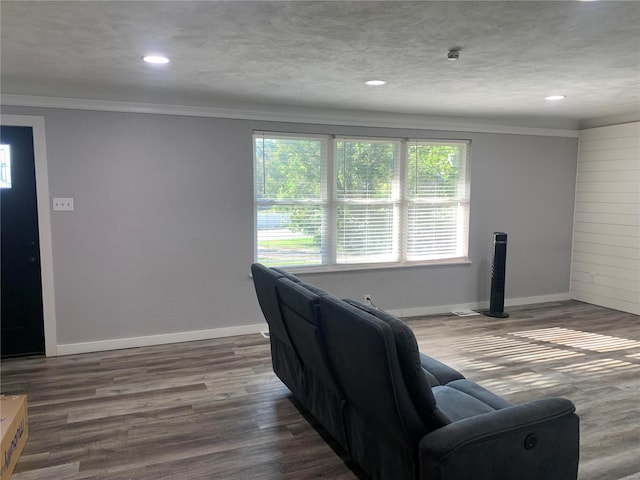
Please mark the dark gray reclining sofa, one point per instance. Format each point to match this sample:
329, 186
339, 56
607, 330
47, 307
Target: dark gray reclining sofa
399, 413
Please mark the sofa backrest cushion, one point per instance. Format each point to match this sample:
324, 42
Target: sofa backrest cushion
313, 289
264, 281
415, 378
300, 309
285, 274
362, 354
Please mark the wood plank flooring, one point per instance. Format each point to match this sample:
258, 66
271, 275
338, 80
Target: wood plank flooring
214, 409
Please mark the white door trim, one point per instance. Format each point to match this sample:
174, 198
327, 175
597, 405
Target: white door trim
44, 224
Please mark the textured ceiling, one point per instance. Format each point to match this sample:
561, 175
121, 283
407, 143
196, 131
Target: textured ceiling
317, 55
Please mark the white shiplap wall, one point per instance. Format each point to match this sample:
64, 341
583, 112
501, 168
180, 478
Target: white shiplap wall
605, 268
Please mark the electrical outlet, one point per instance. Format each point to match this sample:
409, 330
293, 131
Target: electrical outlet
63, 204
368, 299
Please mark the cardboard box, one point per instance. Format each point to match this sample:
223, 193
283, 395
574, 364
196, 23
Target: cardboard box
14, 429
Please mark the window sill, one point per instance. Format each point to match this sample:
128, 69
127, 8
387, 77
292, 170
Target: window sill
376, 266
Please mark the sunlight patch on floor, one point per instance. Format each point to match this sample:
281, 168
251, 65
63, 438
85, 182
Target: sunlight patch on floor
598, 367
477, 365
520, 382
577, 339
515, 350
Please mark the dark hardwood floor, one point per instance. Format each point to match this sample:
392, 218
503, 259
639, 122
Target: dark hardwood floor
214, 409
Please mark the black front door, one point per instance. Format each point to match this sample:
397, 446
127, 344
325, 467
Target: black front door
21, 317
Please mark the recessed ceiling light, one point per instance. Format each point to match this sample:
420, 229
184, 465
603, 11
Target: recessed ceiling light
156, 59
553, 98
375, 83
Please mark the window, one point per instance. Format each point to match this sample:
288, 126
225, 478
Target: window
291, 199
335, 202
366, 201
5, 166
437, 201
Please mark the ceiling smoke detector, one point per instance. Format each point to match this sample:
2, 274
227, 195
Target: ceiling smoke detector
453, 54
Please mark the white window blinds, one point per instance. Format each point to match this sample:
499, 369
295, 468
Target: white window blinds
366, 199
290, 189
437, 200
322, 201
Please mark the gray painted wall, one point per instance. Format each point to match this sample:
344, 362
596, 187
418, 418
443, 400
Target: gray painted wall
161, 238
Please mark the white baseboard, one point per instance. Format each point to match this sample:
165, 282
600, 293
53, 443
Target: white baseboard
509, 302
120, 343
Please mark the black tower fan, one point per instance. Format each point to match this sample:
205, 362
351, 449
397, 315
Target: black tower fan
498, 264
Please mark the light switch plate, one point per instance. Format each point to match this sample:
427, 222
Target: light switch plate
63, 204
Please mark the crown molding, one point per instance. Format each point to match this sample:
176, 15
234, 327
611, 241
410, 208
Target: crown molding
610, 121
289, 114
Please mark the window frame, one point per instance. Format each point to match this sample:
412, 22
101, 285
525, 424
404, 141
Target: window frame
5, 167
400, 201
465, 202
323, 201
394, 200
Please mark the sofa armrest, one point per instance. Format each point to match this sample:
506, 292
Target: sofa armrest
441, 372
533, 441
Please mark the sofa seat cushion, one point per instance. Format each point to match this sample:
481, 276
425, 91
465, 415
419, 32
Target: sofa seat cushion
462, 399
